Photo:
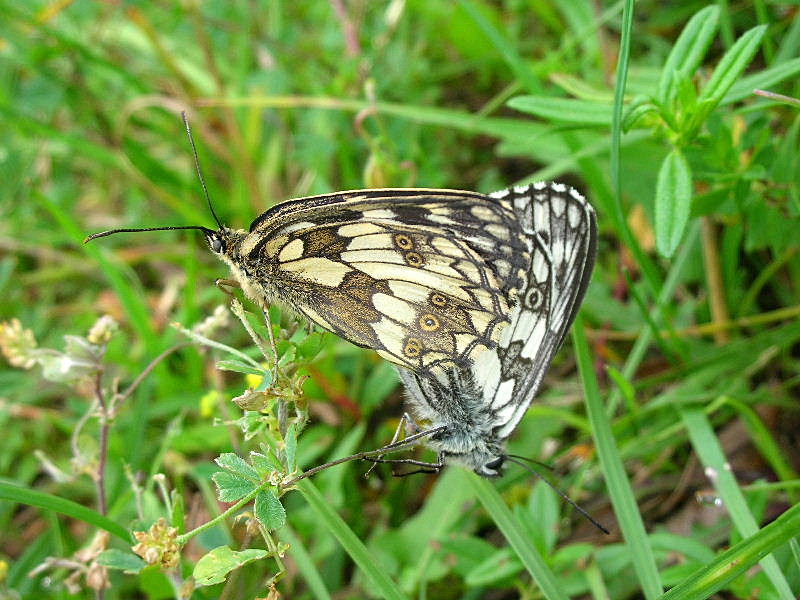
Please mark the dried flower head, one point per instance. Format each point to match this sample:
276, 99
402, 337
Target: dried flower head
102, 331
158, 545
17, 344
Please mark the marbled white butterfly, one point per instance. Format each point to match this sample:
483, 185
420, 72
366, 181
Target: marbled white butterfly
476, 408
426, 277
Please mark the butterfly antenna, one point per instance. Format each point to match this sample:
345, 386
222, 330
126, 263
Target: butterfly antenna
94, 236
198, 169
532, 461
569, 500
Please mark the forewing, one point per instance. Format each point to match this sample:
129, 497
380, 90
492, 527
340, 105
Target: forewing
425, 277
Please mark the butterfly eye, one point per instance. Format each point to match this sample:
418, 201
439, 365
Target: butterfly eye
495, 463
217, 245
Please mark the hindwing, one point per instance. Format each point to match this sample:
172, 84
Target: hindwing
560, 228
559, 231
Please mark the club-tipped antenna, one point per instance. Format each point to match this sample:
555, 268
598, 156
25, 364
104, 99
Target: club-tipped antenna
199, 170
569, 500
94, 236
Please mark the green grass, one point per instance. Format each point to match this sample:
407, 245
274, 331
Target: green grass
686, 351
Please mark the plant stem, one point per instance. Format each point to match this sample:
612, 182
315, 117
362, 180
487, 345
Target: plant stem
716, 286
100, 478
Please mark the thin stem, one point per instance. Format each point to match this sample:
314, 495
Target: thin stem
781, 314
183, 539
409, 441
147, 370
100, 479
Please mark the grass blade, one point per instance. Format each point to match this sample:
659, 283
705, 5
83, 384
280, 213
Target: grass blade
21, 495
514, 532
350, 542
738, 559
622, 498
707, 447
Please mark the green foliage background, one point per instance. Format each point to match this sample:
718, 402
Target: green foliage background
687, 347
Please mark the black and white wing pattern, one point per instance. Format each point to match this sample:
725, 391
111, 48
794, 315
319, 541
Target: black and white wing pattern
480, 406
561, 229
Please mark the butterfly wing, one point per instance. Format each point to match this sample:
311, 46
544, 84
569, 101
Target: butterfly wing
560, 227
425, 277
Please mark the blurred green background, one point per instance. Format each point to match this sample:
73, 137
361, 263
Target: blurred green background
691, 317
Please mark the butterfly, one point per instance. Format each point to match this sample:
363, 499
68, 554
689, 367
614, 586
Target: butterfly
426, 277
472, 410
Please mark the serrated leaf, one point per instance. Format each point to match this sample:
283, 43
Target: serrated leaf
239, 366
269, 510
214, 566
236, 464
119, 559
673, 202
230, 487
262, 464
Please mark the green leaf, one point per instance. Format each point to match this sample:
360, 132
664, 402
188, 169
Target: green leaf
214, 566
230, 487
239, 366
237, 465
119, 559
733, 64
269, 510
263, 464
566, 110
673, 202
639, 550
761, 80
500, 565
15, 493
735, 561
688, 51
638, 110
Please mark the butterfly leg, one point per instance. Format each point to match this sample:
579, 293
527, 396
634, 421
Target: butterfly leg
273, 346
410, 427
424, 467
403, 424
225, 286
